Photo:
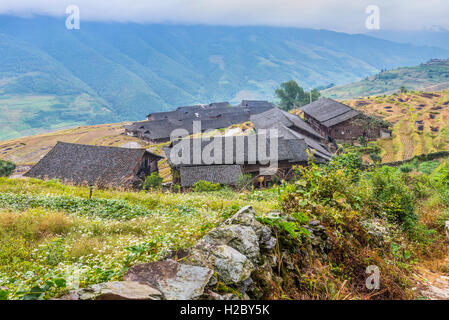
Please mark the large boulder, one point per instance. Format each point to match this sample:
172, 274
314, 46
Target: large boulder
231, 266
116, 290
175, 280
241, 238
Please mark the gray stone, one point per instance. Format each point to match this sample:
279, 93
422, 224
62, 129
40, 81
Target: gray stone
377, 231
229, 264
175, 280
314, 223
246, 216
215, 296
241, 238
116, 290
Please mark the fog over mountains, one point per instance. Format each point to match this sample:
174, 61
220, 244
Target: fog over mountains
51, 77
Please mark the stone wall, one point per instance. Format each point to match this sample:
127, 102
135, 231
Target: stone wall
239, 259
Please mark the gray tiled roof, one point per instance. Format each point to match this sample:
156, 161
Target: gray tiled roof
239, 149
329, 112
273, 116
213, 116
92, 165
314, 146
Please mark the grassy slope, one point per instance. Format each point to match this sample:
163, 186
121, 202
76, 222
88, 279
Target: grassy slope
39, 243
426, 77
403, 111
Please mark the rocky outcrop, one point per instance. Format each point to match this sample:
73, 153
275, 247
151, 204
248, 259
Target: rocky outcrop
175, 280
116, 290
236, 260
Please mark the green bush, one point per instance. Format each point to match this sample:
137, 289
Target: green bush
153, 181
6, 168
428, 167
440, 180
390, 195
375, 157
206, 186
244, 181
406, 168
351, 163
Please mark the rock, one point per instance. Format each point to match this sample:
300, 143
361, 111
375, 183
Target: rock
215, 296
241, 238
245, 285
175, 280
377, 231
314, 223
116, 290
247, 217
230, 265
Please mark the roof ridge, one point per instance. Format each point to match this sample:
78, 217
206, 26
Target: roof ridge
339, 115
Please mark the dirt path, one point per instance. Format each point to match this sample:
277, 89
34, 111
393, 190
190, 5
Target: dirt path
432, 285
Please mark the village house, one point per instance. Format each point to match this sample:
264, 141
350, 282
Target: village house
192, 112
95, 165
340, 122
159, 126
290, 126
234, 156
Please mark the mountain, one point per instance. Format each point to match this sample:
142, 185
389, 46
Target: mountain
430, 76
53, 78
435, 37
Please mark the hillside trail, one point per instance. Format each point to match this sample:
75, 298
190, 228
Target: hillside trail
432, 285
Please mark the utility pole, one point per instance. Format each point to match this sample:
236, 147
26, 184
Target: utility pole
310, 96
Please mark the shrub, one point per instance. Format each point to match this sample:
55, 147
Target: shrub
154, 180
6, 168
390, 195
428, 167
375, 157
327, 185
351, 163
244, 181
206, 186
406, 168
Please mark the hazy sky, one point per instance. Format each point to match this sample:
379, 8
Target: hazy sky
341, 15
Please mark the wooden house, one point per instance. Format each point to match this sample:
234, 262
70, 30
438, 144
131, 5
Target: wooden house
340, 122
95, 165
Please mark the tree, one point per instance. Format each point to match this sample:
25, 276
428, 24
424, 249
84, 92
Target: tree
293, 96
403, 89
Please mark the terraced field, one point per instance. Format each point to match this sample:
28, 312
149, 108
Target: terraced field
421, 122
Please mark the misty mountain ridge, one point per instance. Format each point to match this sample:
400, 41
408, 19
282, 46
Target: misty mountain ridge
51, 77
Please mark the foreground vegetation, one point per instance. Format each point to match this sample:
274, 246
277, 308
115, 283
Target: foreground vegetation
54, 237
